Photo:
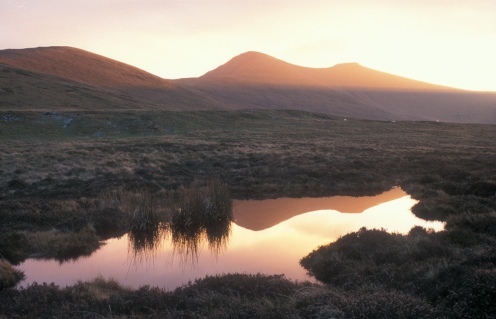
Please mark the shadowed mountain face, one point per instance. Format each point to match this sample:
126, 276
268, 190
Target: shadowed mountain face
64, 77
256, 80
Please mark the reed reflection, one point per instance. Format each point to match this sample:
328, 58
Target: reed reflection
201, 215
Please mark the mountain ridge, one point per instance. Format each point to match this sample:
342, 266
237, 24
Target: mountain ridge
251, 80
255, 67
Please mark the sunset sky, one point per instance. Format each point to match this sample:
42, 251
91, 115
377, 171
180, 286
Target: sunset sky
449, 42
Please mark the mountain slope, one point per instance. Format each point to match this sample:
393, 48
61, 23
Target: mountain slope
103, 73
82, 66
28, 90
256, 80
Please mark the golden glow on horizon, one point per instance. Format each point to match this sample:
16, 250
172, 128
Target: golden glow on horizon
451, 43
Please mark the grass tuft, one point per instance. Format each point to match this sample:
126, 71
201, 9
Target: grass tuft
9, 276
201, 211
63, 245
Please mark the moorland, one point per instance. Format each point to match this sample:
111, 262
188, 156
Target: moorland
52, 184
58, 164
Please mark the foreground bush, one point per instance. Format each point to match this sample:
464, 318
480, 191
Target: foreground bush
63, 246
227, 296
447, 269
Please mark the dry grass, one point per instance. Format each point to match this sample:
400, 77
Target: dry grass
63, 246
258, 153
9, 276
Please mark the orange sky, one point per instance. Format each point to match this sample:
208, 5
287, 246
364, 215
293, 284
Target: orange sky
444, 42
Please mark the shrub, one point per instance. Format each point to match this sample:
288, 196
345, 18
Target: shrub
477, 223
9, 276
62, 245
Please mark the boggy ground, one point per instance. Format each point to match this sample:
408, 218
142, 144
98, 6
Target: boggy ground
56, 166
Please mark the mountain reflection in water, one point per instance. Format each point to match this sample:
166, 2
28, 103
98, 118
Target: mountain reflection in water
285, 233
258, 215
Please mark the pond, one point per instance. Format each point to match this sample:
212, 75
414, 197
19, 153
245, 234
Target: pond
267, 236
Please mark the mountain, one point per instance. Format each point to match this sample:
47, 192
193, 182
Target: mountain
101, 73
21, 89
65, 77
256, 80
259, 68
82, 66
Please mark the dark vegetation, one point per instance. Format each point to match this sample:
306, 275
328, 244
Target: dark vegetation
56, 175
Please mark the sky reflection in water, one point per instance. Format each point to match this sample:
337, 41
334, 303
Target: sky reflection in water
274, 247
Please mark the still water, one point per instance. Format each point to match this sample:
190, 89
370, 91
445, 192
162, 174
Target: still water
268, 236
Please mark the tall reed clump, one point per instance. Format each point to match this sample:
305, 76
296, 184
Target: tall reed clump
146, 217
202, 210
142, 209
145, 214
203, 204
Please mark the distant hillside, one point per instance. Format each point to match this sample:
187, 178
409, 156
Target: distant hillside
103, 73
82, 66
26, 90
256, 80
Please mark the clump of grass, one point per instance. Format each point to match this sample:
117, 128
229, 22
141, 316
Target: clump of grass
146, 217
141, 210
203, 204
13, 245
9, 276
144, 210
201, 211
99, 289
63, 245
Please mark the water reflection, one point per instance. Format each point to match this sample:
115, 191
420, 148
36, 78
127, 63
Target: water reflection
235, 248
143, 244
258, 215
201, 213
187, 241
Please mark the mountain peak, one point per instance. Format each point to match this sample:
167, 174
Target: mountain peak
257, 68
251, 66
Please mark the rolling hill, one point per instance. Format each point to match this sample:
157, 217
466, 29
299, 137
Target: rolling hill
99, 73
21, 89
65, 77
